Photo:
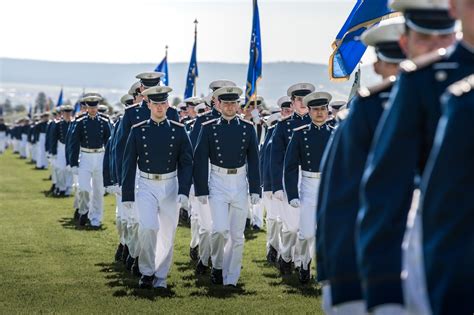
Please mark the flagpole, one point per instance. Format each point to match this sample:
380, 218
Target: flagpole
195, 43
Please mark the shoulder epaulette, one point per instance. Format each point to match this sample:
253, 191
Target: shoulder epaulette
104, 119
209, 122
385, 84
423, 61
190, 121
342, 114
140, 123
246, 121
81, 118
285, 118
462, 87
132, 106
271, 127
176, 123
104, 116
204, 113
301, 128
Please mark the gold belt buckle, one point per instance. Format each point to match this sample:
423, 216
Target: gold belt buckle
157, 177
232, 171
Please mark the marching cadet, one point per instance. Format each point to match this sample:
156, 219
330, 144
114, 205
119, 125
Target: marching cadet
133, 115
204, 219
191, 104
58, 152
401, 147
447, 214
88, 140
23, 131
103, 109
165, 175
226, 188
350, 146
281, 138
3, 135
273, 221
435, 284
304, 152
109, 171
335, 107
40, 137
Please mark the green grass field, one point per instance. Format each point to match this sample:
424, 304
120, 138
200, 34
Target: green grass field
49, 266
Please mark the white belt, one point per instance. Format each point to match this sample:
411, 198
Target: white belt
86, 150
228, 171
311, 174
158, 176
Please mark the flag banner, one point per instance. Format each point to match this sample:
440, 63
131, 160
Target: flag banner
192, 74
347, 48
254, 73
163, 67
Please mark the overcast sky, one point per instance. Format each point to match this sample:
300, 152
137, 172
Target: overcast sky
135, 31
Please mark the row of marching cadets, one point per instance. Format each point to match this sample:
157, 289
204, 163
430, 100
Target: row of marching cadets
213, 158
394, 217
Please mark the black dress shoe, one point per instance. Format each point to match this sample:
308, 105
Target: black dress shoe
194, 253
216, 276
201, 269
247, 224
146, 282
125, 254
129, 263
136, 269
285, 267
83, 219
304, 275
76, 214
183, 216
118, 252
272, 255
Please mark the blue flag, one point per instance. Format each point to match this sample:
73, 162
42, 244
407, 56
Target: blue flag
60, 98
192, 73
163, 67
348, 49
255, 63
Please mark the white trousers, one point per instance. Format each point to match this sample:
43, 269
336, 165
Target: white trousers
91, 186
194, 219
23, 144
413, 270
16, 145
41, 160
290, 217
3, 139
307, 222
158, 216
273, 221
257, 214
63, 175
228, 200
205, 230
349, 308
119, 224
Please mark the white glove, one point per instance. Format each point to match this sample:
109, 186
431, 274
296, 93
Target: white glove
278, 195
183, 201
128, 205
68, 168
202, 200
295, 203
117, 190
268, 194
254, 199
74, 170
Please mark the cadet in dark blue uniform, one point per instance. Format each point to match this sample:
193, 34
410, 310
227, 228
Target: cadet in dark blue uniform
230, 145
3, 135
89, 137
351, 144
134, 114
304, 154
40, 137
401, 146
162, 151
203, 210
447, 209
280, 139
58, 152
